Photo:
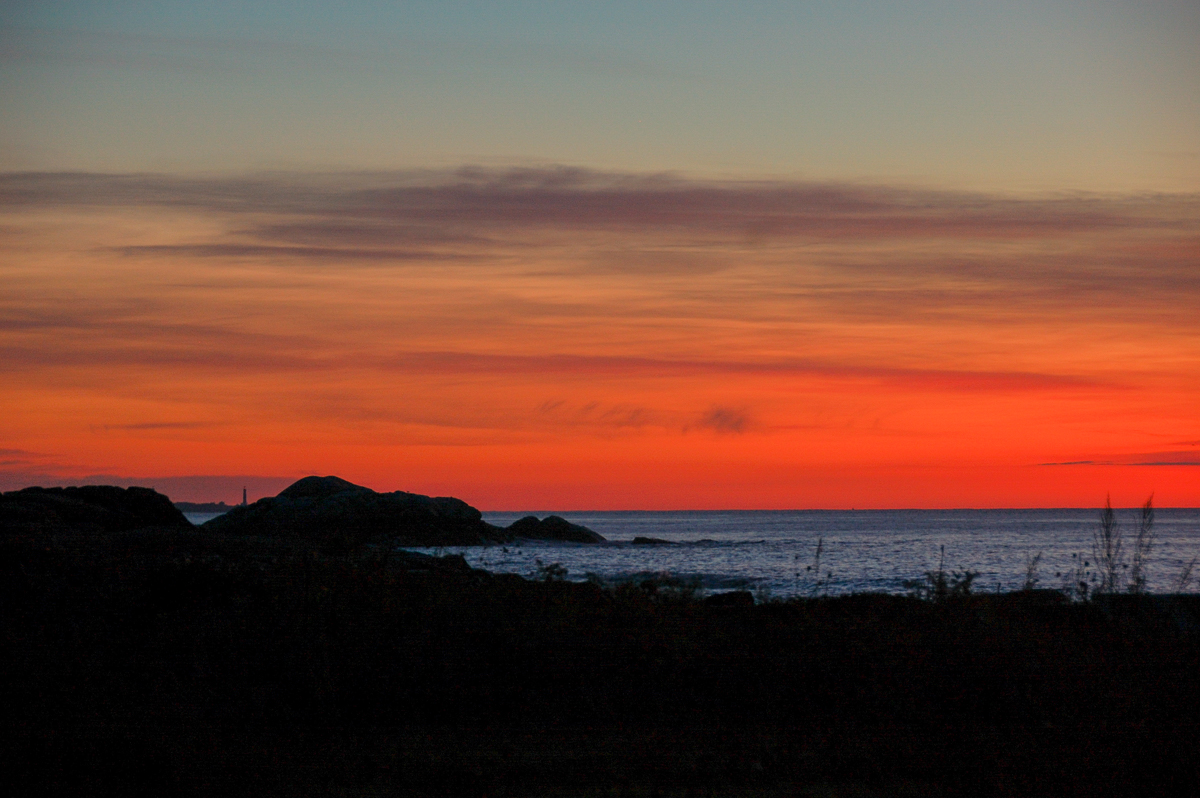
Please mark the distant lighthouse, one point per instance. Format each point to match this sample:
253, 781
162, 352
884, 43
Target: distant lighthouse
243, 497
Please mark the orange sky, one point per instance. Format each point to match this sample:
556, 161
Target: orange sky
557, 339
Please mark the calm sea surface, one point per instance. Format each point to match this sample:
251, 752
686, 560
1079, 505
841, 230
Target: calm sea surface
866, 550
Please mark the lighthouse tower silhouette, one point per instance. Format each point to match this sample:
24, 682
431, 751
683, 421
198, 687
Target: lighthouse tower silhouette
243, 497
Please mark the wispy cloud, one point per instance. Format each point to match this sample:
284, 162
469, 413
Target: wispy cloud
538, 197
15, 453
442, 308
1144, 459
268, 251
466, 362
725, 420
360, 234
13, 460
158, 425
861, 251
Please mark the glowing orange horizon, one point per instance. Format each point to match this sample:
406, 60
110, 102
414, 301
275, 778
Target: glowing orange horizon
603, 342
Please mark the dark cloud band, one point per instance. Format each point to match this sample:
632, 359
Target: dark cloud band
561, 196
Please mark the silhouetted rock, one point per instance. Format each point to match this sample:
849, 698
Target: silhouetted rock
552, 527
88, 508
644, 541
339, 513
321, 487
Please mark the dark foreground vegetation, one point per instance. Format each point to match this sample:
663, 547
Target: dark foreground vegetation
172, 661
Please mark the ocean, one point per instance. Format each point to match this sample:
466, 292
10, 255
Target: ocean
772, 552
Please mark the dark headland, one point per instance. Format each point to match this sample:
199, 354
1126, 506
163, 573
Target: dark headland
282, 652
332, 510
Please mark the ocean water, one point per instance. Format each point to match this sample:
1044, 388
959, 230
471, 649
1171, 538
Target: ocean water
772, 552
200, 518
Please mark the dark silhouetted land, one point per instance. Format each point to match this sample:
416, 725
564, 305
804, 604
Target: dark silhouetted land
170, 660
341, 515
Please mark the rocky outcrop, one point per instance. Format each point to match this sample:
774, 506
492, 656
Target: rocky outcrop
329, 509
644, 541
88, 508
552, 527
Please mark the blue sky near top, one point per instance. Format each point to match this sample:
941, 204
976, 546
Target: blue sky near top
1054, 96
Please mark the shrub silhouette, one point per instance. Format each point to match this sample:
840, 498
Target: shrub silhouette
942, 585
1108, 543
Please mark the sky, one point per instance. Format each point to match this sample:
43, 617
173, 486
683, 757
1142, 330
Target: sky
604, 255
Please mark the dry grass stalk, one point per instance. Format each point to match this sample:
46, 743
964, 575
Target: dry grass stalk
1143, 542
1107, 541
